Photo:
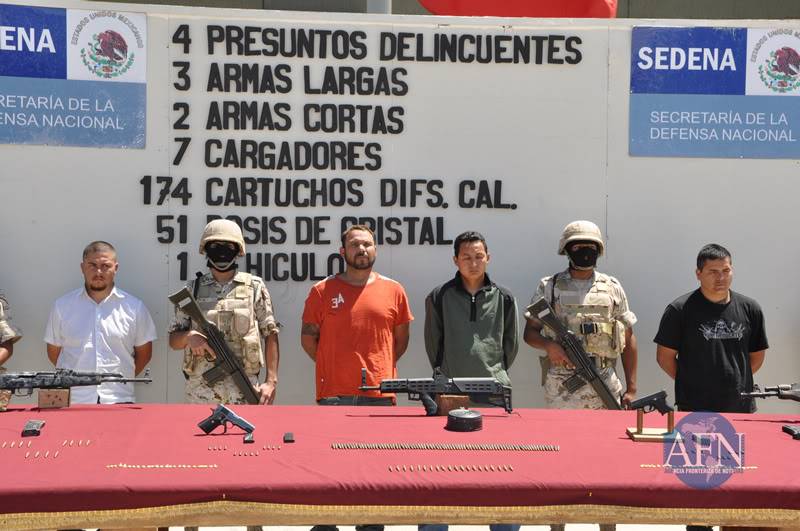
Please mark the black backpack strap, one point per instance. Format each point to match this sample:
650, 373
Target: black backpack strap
508, 309
438, 305
196, 283
553, 290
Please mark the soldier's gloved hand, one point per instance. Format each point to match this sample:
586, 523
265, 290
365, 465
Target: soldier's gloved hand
558, 358
268, 390
198, 345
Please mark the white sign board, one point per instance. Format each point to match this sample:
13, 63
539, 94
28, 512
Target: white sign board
297, 125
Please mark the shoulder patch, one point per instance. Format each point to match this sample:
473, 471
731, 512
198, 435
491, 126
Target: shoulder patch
603, 277
244, 278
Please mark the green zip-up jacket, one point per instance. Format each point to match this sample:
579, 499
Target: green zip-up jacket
471, 336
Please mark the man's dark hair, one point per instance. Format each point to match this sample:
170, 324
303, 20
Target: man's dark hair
99, 246
352, 228
712, 251
469, 237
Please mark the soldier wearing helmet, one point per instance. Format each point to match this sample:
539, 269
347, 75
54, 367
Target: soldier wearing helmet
239, 304
592, 305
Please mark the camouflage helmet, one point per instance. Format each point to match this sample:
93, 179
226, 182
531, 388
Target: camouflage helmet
222, 230
583, 231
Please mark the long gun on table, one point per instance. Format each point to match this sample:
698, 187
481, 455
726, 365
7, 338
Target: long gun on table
585, 370
479, 390
783, 391
19, 382
226, 362
23, 384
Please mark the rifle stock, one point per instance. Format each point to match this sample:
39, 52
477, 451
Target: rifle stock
585, 370
226, 363
184, 300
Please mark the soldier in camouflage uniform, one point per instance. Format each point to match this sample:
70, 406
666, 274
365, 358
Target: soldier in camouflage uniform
9, 334
239, 304
594, 307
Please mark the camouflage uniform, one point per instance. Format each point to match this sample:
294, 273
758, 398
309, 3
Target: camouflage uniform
242, 310
599, 302
8, 334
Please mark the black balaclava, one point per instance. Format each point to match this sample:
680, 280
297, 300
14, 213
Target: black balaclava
583, 258
220, 257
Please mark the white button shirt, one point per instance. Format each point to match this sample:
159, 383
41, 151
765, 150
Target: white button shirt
99, 338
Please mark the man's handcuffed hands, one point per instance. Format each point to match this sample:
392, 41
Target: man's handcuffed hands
267, 391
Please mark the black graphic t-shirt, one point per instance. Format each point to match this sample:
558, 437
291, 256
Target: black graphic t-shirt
714, 342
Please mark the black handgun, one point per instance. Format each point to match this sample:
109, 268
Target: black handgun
656, 401
223, 416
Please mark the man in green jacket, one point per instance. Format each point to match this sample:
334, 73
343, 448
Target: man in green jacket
471, 322
471, 327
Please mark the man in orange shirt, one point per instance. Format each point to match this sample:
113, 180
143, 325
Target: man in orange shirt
355, 319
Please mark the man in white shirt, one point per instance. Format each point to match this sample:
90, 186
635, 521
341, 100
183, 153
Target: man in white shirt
100, 328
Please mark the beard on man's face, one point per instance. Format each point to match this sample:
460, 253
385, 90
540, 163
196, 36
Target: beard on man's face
361, 261
98, 285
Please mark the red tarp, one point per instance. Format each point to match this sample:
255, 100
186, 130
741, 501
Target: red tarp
154, 455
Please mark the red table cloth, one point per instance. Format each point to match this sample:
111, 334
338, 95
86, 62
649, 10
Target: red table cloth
150, 464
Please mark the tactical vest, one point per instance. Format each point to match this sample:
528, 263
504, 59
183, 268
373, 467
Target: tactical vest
589, 318
235, 317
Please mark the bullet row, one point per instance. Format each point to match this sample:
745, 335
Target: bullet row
71, 442
15, 444
225, 448
245, 454
125, 465
44, 455
451, 468
452, 447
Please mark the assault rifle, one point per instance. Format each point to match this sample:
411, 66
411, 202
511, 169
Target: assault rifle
225, 363
20, 382
479, 390
783, 391
585, 369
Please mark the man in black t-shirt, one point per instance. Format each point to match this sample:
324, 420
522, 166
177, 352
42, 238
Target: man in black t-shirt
712, 340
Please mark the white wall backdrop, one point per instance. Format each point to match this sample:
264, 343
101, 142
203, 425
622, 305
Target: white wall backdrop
554, 137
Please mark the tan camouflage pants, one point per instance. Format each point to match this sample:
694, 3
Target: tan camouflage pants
5, 398
556, 397
197, 391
